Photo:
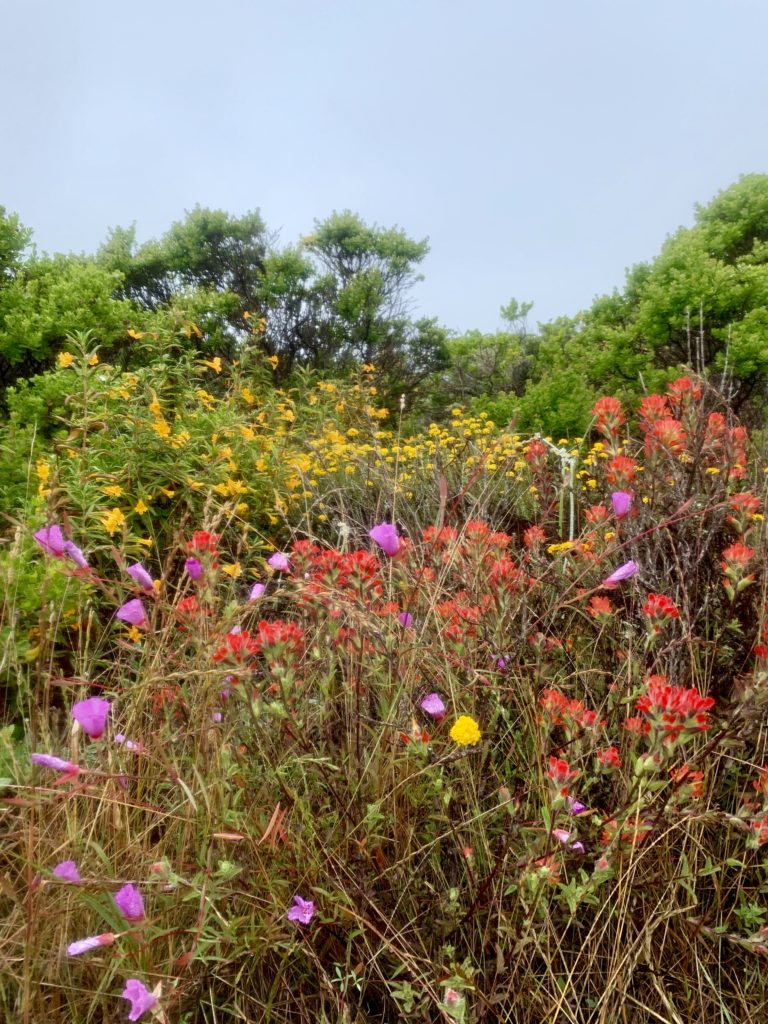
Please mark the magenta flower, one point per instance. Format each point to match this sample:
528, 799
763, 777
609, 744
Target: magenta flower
75, 554
142, 577
67, 871
387, 537
141, 999
502, 664
129, 903
194, 568
302, 911
132, 612
93, 942
257, 591
624, 572
575, 807
622, 503
91, 715
433, 705
564, 837
406, 620
56, 764
279, 561
122, 740
51, 540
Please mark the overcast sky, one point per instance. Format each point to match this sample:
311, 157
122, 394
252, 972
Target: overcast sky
542, 147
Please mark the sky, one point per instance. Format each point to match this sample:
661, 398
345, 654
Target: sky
542, 147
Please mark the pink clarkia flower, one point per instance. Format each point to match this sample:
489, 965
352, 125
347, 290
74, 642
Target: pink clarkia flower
194, 568
91, 715
67, 871
51, 540
56, 764
622, 503
624, 572
132, 612
93, 942
387, 537
140, 998
142, 577
302, 910
279, 561
129, 902
575, 807
122, 740
564, 837
74, 552
433, 705
406, 620
257, 591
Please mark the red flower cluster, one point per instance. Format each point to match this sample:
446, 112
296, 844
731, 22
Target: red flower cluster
286, 635
608, 758
237, 648
659, 610
567, 712
202, 541
673, 710
620, 472
561, 774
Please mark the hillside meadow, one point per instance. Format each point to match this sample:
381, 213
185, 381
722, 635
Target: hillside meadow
315, 711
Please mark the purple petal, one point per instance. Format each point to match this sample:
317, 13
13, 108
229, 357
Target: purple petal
433, 705
624, 572
622, 503
257, 590
51, 540
132, 612
92, 942
279, 561
142, 577
91, 715
129, 903
194, 568
55, 763
139, 996
67, 871
302, 910
76, 554
406, 620
387, 537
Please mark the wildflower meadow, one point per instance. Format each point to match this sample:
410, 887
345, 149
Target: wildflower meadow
312, 716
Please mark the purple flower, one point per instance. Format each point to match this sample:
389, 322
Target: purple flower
216, 716
132, 612
129, 903
93, 942
91, 715
142, 577
279, 561
387, 537
433, 705
256, 591
75, 554
123, 741
575, 807
67, 872
55, 763
564, 837
194, 568
51, 540
406, 620
302, 911
141, 999
502, 664
622, 573
622, 503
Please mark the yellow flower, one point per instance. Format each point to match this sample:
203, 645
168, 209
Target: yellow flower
136, 335
247, 395
273, 361
213, 364
93, 360
146, 542
44, 470
168, 493
465, 731
134, 634
65, 359
140, 507
232, 570
114, 490
113, 520
161, 427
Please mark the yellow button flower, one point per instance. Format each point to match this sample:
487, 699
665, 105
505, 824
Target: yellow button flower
465, 731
